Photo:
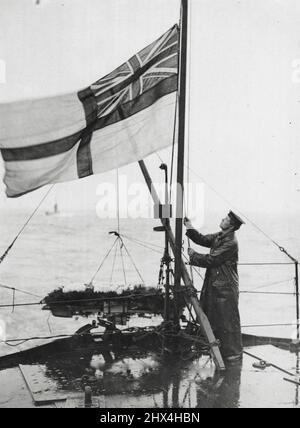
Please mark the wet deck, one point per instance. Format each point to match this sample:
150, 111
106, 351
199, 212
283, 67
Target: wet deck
147, 382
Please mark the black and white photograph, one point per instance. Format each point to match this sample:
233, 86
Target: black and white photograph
149, 207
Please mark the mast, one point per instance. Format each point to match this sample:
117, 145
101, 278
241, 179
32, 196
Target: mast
176, 243
181, 141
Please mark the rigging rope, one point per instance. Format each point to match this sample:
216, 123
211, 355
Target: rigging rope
273, 283
113, 266
13, 304
100, 299
159, 157
132, 261
119, 244
22, 341
147, 246
258, 228
103, 261
270, 364
173, 147
143, 242
118, 200
275, 293
5, 254
270, 325
189, 113
65, 336
6, 287
122, 258
266, 264
253, 291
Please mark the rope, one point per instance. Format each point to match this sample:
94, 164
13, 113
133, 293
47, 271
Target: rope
189, 111
143, 245
191, 267
28, 339
159, 157
103, 261
16, 305
132, 261
122, 258
173, 144
66, 302
14, 297
60, 336
266, 264
120, 241
14, 290
118, 200
191, 314
270, 364
267, 292
174, 136
113, 266
189, 241
269, 325
268, 237
173, 147
273, 283
23, 340
5, 254
143, 242
6, 287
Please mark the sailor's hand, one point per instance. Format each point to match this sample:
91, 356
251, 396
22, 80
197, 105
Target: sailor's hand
191, 252
188, 224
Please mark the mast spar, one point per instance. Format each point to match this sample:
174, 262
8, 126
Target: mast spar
176, 242
181, 142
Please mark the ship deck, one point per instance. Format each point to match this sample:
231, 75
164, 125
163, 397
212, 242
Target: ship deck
145, 381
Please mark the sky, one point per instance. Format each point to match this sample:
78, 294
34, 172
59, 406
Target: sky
244, 87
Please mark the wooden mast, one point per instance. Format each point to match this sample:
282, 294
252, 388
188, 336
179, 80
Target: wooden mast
176, 242
181, 141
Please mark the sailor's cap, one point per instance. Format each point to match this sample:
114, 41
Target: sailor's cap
236, 220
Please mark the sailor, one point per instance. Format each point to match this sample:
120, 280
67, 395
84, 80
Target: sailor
220, 293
